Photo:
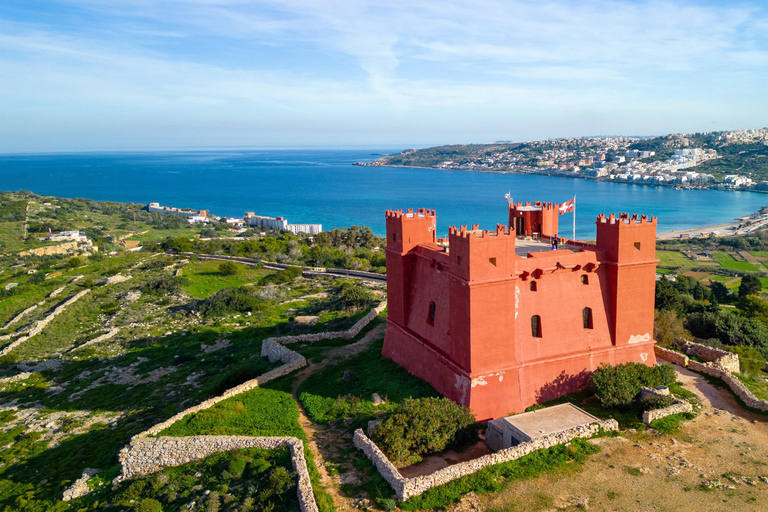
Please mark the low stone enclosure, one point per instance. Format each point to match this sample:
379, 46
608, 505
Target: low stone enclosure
719, 363
145, 455
408, 487
677, 407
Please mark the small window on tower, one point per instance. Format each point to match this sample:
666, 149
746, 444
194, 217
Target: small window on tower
431, 314
394, 237
458, 260
584, 279
536, 326
533, 286
586, 317
637, 245
493, 261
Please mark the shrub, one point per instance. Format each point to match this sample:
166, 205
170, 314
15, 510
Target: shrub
75, 262
232, 300
149, 505
228, 268
617, 386
650, 403
165, 285
36, 278
284, 276
236, 467
350, 293
424, 425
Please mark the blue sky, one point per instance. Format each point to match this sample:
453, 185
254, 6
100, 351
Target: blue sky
90, 74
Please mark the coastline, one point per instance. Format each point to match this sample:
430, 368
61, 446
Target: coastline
557, 174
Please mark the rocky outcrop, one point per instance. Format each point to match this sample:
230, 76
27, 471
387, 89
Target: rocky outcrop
408, 487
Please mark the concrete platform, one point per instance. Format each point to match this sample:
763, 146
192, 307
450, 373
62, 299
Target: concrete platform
520, 428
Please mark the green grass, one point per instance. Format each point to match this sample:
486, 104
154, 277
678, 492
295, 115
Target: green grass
495, 478
328, 396
728, 261
673, 259
671, 424
204, 277
259, 412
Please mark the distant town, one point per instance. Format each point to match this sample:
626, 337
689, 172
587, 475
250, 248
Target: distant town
248, 220
730, 160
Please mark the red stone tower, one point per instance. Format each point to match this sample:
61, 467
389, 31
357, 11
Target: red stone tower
497, 331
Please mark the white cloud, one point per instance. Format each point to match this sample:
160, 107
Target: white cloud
420, 63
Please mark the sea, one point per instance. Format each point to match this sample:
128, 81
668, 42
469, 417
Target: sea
322, 186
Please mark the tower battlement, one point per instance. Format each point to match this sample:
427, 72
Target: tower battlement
409, 214
625, 219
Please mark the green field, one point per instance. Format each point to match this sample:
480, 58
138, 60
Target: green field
673, 259
205, 278
728, 261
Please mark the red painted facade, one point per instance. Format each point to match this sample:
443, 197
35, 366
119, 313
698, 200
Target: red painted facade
461, 310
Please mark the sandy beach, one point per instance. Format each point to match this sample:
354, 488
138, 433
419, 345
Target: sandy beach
739, 226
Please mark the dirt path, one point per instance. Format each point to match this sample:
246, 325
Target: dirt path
718, 461
322, 440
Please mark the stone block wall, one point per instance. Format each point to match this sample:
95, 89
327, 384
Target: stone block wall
677, 407
144, 456
727, 361
721, 368
671, 356
408, 487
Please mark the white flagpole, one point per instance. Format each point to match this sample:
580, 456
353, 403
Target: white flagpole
574, 217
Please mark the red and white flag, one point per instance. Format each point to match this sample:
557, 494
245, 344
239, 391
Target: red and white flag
568, 206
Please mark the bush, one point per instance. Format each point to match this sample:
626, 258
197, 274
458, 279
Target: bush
351, 294
284, 276
617, 386
149, 505
75, 262
650, 403
424, 425
165, 285
228, 268
36, 278
232, 300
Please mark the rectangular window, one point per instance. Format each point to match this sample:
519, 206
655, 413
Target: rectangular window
536, 326
431, 314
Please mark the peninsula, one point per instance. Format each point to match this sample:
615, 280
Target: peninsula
725, 160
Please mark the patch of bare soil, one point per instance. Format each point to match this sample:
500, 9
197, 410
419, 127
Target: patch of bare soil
717, 462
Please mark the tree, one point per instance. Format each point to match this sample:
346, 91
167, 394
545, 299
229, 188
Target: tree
750, 285
667, 297
228, 268
668, 329
720, 292
75, 262
754, 307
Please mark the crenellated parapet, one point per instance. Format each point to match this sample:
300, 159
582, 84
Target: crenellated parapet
410, 214
626, 219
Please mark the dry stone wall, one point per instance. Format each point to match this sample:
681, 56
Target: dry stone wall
45, 321
408, 487
150, 455
677, 407
311, 338
20, 316
145, 455
720, 368
722, 359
